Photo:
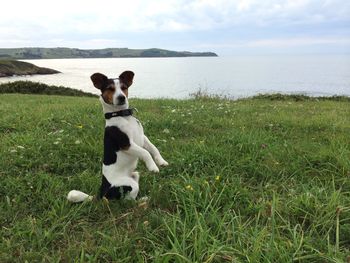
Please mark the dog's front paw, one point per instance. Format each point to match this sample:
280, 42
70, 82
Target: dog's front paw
161, 162
152, 167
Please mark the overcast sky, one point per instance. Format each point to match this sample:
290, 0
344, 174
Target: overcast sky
228, 27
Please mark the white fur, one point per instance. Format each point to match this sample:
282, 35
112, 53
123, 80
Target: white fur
123, 172
78, 196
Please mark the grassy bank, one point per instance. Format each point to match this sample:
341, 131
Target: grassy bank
30, 87
255, 180
13, 67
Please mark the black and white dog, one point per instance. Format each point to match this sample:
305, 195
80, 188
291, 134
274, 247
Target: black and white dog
124, 142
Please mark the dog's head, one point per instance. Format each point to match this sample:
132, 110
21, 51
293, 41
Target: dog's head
112, 93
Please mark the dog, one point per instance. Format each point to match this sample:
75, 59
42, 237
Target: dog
124, 142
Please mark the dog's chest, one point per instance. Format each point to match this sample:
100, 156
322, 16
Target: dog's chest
130, 126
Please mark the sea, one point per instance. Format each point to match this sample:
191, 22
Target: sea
232, 76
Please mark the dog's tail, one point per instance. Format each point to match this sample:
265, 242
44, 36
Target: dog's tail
78, 196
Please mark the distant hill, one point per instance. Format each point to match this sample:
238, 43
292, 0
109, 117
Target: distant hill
13, 67
38, 53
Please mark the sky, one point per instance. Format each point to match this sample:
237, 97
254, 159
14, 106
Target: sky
227, 27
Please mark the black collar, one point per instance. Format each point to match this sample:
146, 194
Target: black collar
121, 113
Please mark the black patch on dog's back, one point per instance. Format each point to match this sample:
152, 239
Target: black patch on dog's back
114, 140
113, 192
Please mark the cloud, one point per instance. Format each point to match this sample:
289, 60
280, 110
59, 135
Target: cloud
281, 42
102, 23
290, 42
152, 15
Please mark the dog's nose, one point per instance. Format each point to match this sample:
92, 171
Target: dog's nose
121, 99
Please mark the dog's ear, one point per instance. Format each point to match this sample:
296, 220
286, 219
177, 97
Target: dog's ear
126, 78
99, 80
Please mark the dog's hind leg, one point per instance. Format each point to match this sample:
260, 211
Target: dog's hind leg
136, 176
134, 192
154, 151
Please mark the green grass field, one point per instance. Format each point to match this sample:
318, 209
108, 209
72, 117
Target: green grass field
254, 180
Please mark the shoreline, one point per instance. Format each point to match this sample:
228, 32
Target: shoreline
63, 53
30, 87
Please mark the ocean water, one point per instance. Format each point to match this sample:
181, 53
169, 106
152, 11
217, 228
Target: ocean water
235, 77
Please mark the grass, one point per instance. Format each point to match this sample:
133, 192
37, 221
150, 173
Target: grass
255, 180
30, 87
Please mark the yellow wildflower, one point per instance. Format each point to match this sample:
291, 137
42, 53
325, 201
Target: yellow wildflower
189, 187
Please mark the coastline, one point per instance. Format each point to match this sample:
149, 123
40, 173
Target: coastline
9, 68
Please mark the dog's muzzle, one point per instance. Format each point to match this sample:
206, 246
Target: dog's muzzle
121, 100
